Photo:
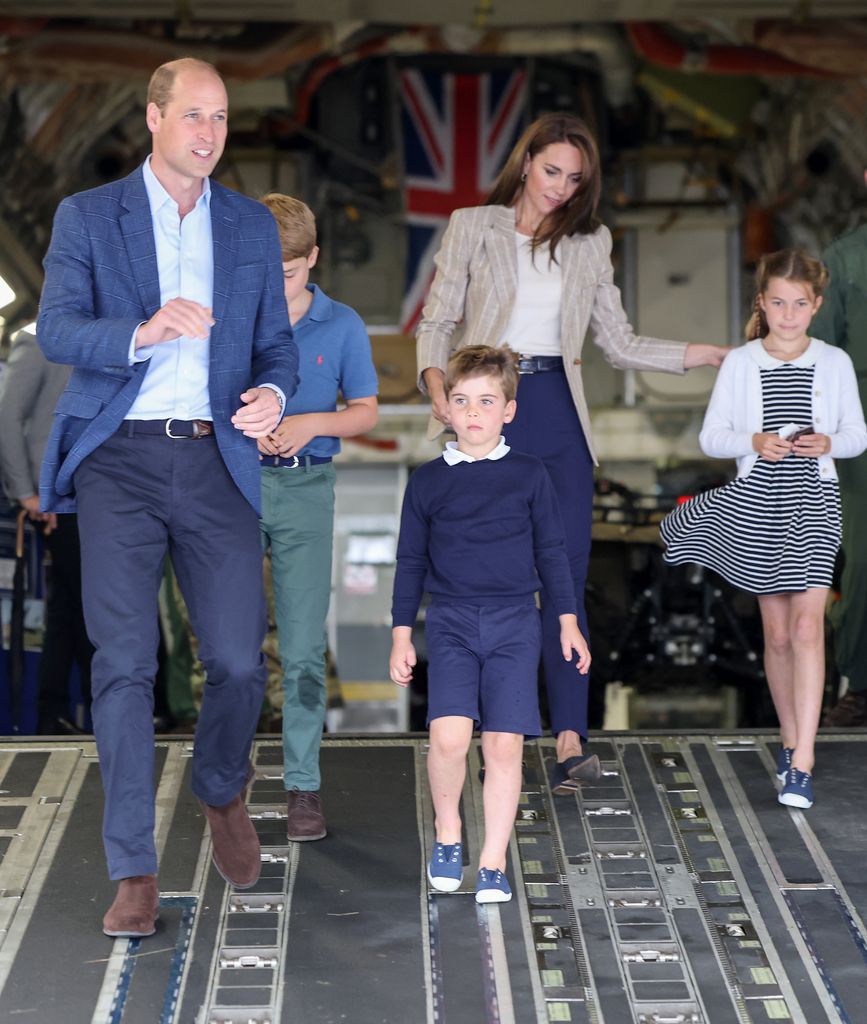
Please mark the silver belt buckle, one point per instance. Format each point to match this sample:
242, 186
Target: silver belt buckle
296, 462
175, 437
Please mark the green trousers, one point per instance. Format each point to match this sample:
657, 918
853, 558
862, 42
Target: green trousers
297, 527
849, 614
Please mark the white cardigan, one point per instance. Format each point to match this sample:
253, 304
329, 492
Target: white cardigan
735, 410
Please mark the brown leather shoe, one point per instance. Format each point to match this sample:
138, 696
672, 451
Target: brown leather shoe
305, 819
849, 712
134, 913
235, 845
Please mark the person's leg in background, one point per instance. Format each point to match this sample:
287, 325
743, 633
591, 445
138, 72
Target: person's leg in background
849, 614
65, 639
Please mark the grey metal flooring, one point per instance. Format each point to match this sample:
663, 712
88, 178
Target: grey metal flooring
674, 891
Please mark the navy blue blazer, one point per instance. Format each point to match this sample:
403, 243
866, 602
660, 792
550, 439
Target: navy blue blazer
101, 282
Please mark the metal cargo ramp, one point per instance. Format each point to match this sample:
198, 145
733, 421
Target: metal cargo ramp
676, 890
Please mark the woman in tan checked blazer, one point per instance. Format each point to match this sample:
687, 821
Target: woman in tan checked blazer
532, 269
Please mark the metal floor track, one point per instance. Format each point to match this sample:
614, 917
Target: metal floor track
676, 890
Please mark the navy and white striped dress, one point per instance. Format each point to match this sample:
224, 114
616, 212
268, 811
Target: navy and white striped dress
776, 530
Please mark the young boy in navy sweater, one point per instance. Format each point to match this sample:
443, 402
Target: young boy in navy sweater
480, 526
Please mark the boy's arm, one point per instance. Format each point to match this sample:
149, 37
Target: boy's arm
295, 432
549, 545
412, 559
572, 639
402, 660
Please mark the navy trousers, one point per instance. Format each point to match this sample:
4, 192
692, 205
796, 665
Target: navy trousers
547, 426
139, 498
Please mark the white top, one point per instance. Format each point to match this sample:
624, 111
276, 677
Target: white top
735, 410
534, 326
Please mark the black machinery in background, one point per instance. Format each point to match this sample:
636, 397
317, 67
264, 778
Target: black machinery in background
675, 633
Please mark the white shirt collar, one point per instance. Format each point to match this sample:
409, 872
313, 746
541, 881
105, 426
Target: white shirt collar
453, 455
157, 195
768, 362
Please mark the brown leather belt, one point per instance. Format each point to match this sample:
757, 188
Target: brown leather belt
188, 430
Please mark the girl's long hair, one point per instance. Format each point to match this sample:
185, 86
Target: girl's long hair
578, 215
789, 265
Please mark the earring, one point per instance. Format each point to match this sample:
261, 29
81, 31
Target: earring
523, 177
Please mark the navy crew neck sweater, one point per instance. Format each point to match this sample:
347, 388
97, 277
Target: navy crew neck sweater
483, 532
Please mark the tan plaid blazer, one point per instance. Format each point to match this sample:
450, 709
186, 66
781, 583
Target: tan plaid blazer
471, 299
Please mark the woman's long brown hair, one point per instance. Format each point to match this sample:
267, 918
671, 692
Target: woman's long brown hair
578, 215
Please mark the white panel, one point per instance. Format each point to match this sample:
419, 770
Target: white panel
683, 292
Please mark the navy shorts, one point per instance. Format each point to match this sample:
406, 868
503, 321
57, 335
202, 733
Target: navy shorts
483, 663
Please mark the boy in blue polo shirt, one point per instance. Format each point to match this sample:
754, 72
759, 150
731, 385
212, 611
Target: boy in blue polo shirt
298, 498
480, 526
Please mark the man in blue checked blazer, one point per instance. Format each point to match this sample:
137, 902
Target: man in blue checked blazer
164, 292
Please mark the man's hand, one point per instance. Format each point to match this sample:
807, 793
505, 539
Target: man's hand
572, 639
434, 380
811, 446
704, 355
291, 435
771, 446
403, 658
258, 416
176, 318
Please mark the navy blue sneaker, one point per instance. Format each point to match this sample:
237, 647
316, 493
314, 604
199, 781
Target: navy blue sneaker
797, 789
784, 762
492, 886
446, 868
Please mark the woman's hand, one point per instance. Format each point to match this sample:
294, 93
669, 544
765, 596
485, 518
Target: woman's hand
704, 355
811, 446
434, 380
771, 446
572, 640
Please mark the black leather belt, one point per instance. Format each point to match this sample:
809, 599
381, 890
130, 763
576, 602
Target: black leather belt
189, 430
539, 364
294, 461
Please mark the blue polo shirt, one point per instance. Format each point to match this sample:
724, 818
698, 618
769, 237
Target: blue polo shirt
333, 356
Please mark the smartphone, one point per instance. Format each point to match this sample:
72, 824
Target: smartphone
800, 432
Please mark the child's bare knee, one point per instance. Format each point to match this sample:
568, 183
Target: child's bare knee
450, 738
502, 746
808, 631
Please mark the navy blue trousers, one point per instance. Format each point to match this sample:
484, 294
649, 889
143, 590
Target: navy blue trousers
140, 498
547, 426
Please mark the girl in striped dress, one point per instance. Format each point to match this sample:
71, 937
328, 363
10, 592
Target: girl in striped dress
785, 405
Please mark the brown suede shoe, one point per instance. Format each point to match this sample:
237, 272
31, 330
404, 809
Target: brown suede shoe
849, 712
134, 913
235, 845
305, 819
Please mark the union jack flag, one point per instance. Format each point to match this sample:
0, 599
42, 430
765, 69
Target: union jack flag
458, 130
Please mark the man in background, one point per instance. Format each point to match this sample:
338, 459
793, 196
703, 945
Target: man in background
29, 392
842, 320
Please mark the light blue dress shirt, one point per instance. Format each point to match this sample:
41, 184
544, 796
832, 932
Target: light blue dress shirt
176, 384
